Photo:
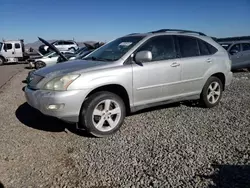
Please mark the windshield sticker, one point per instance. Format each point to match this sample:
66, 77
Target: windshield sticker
125, 44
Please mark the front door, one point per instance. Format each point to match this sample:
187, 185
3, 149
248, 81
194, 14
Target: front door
236, 55
8, 50
158, 79
246, 55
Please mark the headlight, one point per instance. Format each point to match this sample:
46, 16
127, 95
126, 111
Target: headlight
60, 83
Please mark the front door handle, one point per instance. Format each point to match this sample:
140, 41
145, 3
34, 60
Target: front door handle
175, 64
209, 60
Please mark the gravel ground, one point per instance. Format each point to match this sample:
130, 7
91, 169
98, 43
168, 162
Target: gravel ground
179, 145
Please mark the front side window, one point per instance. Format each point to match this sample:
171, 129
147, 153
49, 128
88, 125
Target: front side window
161, 47
246, 46
8, 46
188, 46
235, 49
17, 46
115, 49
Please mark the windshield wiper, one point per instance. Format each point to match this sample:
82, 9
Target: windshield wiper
97, 59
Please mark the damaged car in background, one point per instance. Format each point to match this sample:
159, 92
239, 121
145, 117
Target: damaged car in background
55, 55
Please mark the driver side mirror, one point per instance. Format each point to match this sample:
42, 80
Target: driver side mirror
143, 56
233, 52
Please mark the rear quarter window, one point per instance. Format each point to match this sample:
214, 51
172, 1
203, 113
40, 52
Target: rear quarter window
206, 48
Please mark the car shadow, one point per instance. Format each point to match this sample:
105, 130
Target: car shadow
34, 119
228, 176
1, 185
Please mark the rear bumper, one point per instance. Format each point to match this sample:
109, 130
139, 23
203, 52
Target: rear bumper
229, 78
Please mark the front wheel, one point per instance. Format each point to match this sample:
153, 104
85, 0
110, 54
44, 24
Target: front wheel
102, 114
2, 61
212, 92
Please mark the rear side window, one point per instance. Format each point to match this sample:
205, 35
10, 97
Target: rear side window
188, 46
162, 47
203, 48
246, 46
212, 49
206, 48
17, 46
68, 43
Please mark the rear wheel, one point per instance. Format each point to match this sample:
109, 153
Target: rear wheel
212, 92
2, 60
102, 114
39, 64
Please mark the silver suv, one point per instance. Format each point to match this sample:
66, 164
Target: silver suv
131, 73
239, 52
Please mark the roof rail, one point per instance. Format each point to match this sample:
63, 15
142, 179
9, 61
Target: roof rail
132, 34
177, 30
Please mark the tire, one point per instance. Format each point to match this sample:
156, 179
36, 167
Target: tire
97, 102
2, 61
211, 92
39, 65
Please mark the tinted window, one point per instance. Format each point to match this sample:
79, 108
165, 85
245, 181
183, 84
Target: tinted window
162, 48
188, 46
235, 49
60, 43
245, 46
68, 43
212, 49
17, 45
8, 46
203, 48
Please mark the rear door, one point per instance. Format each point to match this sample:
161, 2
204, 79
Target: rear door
246, 54
196, 59
18, 50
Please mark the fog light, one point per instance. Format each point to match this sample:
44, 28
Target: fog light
55, 106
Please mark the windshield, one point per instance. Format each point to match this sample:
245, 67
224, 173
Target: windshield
226, 45
1, 44
115, 49
49, 53
80, 50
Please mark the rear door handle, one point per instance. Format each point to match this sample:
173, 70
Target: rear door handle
175, 64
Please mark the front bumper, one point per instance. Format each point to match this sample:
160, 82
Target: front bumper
70, 103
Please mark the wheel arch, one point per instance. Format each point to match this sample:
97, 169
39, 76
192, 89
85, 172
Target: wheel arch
222, 77
116, 89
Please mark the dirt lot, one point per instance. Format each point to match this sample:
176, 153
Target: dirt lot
177, 145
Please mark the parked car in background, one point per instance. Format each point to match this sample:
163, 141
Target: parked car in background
239, 52
131, 73
62, 45
82, 52
49, 59
59, 56
12, 51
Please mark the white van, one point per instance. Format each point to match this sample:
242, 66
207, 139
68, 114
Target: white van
12, 51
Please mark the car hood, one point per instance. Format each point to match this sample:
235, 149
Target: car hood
74, 66
53, 48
